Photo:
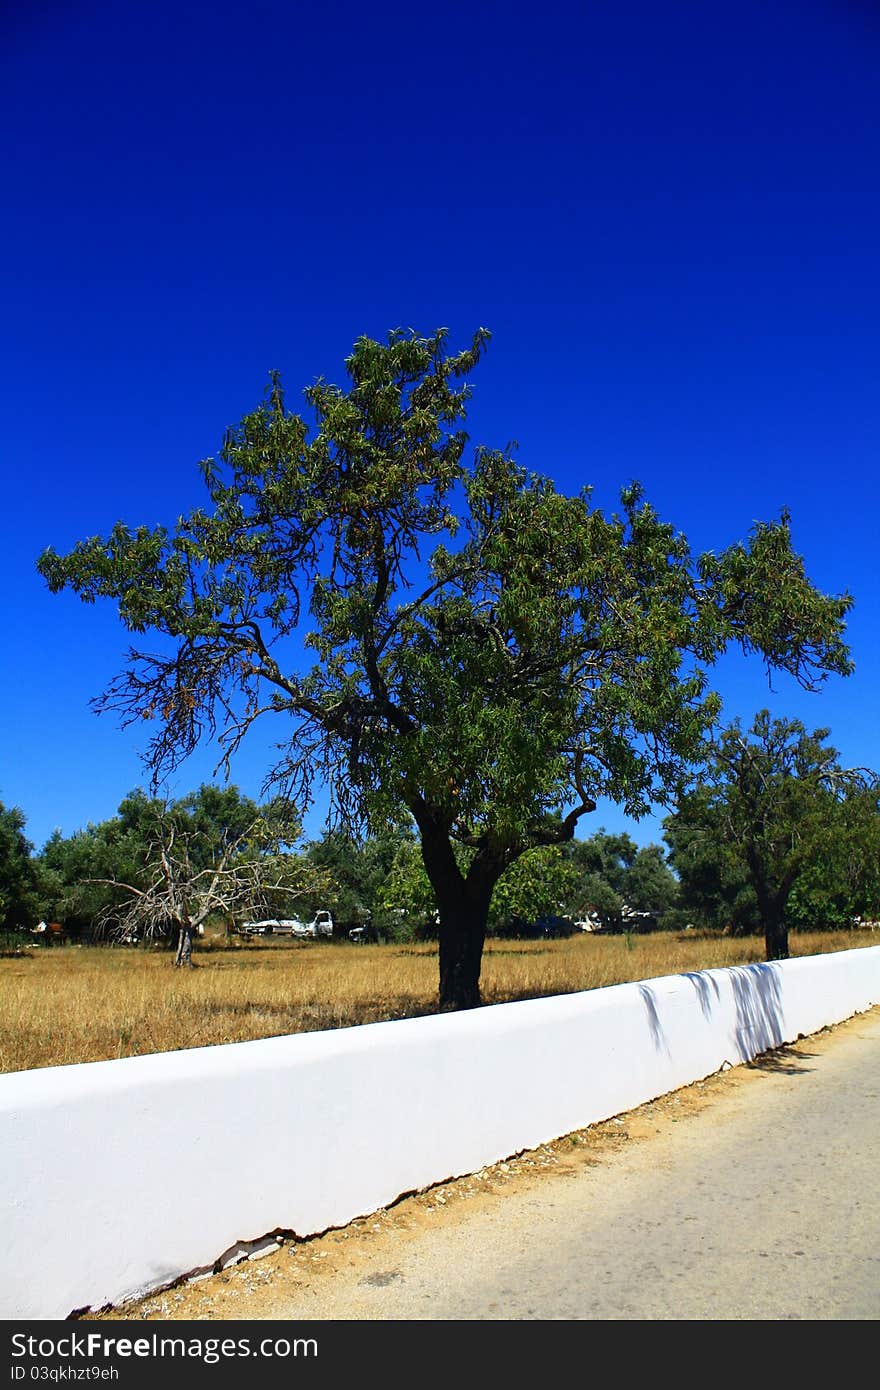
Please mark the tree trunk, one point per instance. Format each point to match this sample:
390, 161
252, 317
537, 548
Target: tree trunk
772, 909
772, 902
776, 937
184, 945
462, 934
463, 904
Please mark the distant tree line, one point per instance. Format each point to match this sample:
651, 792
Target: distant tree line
383, 878
155, 868
774, 834
147, 870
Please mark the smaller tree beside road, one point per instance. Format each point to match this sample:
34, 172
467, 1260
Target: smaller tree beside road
770, 806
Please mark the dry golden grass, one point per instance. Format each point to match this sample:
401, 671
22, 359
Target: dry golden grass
85, 1004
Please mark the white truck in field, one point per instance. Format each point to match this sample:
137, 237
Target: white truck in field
320, 925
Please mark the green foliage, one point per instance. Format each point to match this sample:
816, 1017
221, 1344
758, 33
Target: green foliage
552, 653
356, 868
595, 897
842, 881
19, 899
71, 867
775, 833
405, 892
612, 872
650, 884
539, 884
605, 857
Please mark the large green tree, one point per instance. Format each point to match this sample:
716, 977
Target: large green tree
774, 831
489, 654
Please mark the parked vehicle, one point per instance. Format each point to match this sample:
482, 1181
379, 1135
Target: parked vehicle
320, 925
590, 922
366, 934
257, 928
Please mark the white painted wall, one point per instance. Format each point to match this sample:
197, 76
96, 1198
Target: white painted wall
119, 1176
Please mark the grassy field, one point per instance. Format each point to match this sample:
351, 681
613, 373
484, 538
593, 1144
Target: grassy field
84, 1004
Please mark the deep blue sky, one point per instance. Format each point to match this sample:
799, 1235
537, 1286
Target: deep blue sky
668, 216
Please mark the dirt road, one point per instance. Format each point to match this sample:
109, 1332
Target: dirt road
751, 1195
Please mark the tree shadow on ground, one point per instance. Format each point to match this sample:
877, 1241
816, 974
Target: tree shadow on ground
783, 1061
